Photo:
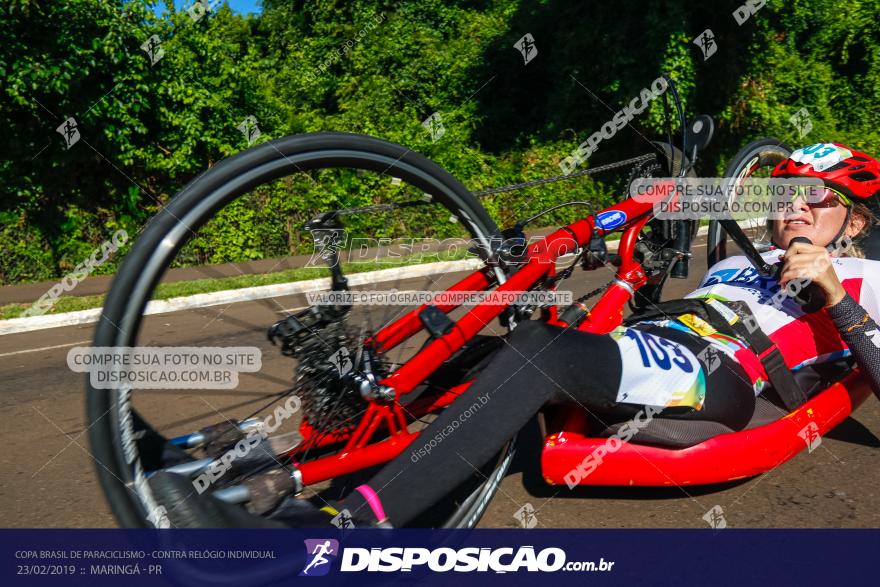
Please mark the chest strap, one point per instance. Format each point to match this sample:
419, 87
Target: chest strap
734, 319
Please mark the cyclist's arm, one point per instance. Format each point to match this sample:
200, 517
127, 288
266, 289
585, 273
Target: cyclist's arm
861, 335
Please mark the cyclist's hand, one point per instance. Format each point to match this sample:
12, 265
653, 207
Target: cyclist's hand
803, 261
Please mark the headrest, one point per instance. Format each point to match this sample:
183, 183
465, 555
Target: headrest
870, 244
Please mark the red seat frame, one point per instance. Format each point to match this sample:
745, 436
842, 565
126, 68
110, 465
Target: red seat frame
726, 457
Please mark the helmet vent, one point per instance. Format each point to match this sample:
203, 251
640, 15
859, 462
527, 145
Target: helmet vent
863, 176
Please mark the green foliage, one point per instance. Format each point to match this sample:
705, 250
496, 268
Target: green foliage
25, 258
381, 67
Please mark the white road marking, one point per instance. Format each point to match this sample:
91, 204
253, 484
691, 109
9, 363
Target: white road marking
45, 348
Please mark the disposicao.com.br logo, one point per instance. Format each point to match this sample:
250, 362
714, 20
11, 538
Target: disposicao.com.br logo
444, 559
319, 554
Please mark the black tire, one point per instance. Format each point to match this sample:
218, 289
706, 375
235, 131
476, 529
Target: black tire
112, 424
762, 154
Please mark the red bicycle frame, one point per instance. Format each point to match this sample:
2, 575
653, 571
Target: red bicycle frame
567, 444
607, 313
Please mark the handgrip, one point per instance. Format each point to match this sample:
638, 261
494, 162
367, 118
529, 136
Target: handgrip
812, 297
682, 243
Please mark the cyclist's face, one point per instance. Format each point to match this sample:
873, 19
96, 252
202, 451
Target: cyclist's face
819, 224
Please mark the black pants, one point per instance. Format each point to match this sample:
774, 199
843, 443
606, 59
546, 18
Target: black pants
538, 365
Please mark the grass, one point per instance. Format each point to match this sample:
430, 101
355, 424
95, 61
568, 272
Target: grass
198, 286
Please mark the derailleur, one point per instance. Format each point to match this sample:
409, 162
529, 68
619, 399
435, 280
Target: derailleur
317, 338
295, 331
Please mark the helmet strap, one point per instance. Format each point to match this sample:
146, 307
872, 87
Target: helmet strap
834, 244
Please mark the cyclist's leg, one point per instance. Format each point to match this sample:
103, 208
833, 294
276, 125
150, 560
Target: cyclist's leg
535, 365
729, 396
540, 364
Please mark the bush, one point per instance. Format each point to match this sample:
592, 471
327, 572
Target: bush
381, 68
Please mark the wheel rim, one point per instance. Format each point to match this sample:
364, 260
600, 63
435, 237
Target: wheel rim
754, 161
123, 328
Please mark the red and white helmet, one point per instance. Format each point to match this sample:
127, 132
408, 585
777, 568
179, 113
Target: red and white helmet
853, 174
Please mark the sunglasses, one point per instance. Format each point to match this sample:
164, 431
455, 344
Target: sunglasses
830, 198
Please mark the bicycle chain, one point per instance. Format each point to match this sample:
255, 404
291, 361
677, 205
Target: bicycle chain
555, 178
502, 189
594, 292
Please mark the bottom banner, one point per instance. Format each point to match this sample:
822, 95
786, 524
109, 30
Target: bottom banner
436, 557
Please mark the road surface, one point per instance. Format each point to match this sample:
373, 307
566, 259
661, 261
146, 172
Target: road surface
47, 474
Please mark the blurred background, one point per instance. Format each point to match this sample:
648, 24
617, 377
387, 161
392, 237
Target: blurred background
158, 91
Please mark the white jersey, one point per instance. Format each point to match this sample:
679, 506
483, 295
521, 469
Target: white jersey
802, 338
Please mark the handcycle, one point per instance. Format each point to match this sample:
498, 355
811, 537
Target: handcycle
402, 369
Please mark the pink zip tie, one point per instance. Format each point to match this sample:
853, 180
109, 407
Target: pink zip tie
373, 501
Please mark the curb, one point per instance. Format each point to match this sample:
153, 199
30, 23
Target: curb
231, 296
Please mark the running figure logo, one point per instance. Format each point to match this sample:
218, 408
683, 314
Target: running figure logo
810, 435
526, 46
527, 516
711, 359
153, 49
250, 129
706, 43
434, 125
328, 243
70, 131
802, 122
715, 518
319, 553
343, 520
341, 359
200, 7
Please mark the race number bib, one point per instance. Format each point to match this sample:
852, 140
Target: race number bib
657, 371
821, 155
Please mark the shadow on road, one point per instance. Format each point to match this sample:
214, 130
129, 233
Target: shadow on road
854, 432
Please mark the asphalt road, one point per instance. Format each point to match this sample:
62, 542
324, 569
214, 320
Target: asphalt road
47, 474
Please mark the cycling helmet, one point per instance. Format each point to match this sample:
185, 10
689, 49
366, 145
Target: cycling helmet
853, 174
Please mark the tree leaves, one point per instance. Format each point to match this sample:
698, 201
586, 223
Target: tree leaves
381, 68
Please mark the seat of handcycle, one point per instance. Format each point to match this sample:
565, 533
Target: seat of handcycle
672, 432
870, 244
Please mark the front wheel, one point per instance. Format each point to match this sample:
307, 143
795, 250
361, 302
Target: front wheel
386, 191
755, 160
